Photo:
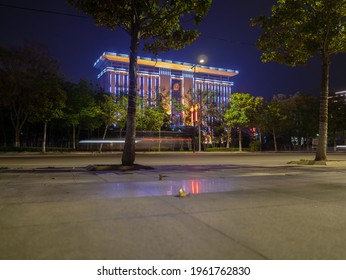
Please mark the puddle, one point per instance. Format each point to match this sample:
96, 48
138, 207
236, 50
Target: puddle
171, 187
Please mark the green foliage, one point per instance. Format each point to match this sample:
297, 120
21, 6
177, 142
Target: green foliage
151, 118
273, 116
49, 101
296, 114
300, 29
255, 146
80, 99
120, 111
107, 109
158, 22
240, 111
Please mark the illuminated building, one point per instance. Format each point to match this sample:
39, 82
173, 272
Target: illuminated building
172, 83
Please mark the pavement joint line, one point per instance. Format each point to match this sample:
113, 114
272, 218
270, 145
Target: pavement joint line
215, 229
230, 238
236, 241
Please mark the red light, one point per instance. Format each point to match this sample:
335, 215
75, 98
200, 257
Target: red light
194, 187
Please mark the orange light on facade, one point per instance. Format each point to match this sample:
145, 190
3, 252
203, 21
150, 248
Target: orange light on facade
194, 113
191, 110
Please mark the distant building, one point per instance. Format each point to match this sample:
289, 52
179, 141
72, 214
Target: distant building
172, 83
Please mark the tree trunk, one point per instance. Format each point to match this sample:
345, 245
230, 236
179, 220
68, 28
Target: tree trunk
17, 128
44, 137
18, 118
321, 151
78, 133
240, 144
334, 140
4, 135
128, 156
274, 138
228, 137
17, 137
103, 138
73, 136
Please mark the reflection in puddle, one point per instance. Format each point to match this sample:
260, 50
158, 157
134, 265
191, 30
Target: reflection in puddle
171, 187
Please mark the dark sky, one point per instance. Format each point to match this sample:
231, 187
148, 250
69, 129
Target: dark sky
227, 40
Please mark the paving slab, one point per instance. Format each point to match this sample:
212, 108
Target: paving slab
251, 210
148, 228
308, 231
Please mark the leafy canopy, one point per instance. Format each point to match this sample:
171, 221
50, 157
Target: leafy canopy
300, 29
158, 21
241, 108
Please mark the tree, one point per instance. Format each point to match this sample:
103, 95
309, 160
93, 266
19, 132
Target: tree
294, 118
151, 118
256, 116
209, 115
49, 101
337, 117
120, 116
107, 113
14, 95
272, 120
80, 106
305, 115
298, 30
157, 24
207, 112
240, 112
25, 71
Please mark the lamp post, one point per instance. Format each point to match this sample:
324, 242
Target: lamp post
202, 59
194, 120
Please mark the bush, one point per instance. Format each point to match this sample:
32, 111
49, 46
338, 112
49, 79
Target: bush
255, 146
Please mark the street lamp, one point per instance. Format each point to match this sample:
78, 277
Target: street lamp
201, 59
194, 119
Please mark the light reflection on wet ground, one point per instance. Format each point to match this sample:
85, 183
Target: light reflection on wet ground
171, 187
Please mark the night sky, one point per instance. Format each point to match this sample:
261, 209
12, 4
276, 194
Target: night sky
227, 40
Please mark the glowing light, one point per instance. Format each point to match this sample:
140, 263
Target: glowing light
194, 187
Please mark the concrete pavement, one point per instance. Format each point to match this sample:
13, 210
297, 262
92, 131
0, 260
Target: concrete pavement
245, 209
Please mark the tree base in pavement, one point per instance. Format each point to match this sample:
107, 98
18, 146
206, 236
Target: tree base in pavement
117, 167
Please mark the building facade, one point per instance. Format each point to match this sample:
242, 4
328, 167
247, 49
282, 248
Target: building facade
173, 84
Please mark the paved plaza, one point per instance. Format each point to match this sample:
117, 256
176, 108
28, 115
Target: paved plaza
241, 206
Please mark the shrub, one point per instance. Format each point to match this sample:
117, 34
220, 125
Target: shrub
255, 146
